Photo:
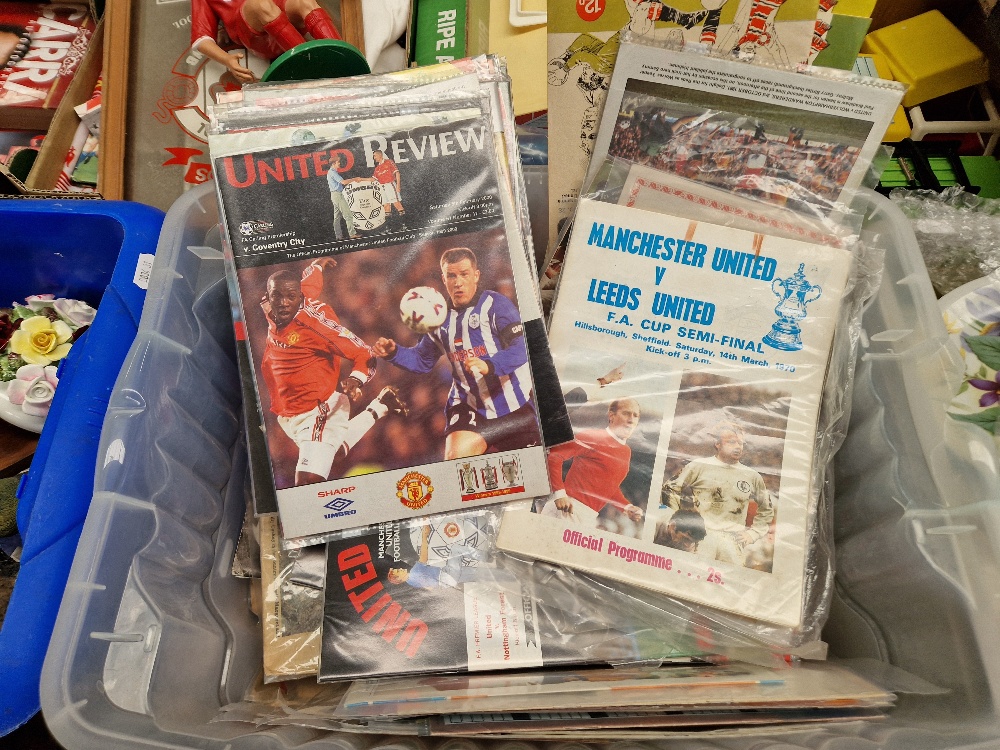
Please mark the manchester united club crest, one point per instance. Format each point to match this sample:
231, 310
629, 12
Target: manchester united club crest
451, 530
293, 338
196, 80
414, 490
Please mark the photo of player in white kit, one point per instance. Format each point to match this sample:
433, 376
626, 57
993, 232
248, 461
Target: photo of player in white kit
490, 402
721, 488
301, 367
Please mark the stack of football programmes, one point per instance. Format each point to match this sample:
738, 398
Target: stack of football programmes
699, 688
390, 343
709, 267
445, 128
593, 704
641, 487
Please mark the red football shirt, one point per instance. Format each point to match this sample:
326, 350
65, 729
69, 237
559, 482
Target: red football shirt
386, 171
600, 465
301, 363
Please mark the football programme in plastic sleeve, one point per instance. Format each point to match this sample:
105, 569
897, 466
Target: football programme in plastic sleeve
700, 687
427, 595
693, 358
381, 305
584, 40
775, 151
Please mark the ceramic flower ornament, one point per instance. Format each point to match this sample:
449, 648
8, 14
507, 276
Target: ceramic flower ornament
74, 312
34, 338
40, 341
33, 389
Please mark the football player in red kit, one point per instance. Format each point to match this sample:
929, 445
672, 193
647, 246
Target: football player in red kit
601, 460
301, 366
268, 27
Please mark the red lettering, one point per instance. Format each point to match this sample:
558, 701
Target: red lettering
197, 173
361, 575
354, 557
409, 642
301, 160
358, 600
320, 160
277, 172
348, 160
393, 618
251, 175
391, 621
377, 607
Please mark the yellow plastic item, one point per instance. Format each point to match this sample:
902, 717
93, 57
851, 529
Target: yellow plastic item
899, 128
930, 54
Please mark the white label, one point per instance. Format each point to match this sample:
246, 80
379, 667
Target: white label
143, 268
501, 630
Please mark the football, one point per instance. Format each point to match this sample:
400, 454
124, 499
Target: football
423, 309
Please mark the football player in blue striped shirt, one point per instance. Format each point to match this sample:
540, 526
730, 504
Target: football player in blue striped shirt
490, 403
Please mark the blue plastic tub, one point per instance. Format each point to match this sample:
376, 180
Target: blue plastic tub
89, 250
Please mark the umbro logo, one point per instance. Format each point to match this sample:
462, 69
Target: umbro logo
338, 504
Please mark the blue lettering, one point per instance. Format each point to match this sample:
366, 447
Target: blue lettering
621, 241
596, 234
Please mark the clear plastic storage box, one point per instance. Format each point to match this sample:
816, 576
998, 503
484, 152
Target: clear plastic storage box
153, 635
95, 251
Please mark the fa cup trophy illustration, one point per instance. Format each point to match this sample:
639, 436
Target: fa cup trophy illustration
489, 473
795, 293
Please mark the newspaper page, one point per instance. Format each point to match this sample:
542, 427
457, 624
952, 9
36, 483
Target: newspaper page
387, 303
783, 138
694, 358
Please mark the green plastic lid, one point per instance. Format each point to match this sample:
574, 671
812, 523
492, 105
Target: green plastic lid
318, 58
